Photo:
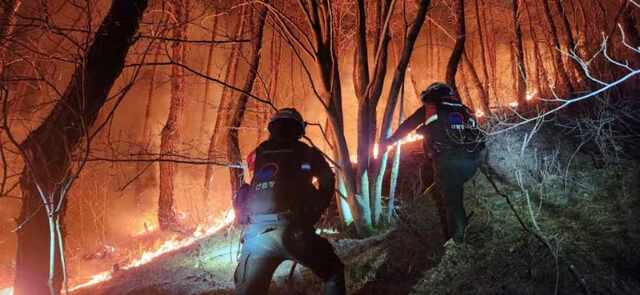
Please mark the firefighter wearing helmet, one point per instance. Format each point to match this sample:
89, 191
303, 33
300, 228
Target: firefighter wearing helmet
280, 207
452, 142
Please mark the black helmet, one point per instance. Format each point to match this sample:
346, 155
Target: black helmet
287, 122
436, 91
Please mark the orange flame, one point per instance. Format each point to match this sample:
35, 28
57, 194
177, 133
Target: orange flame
167, 246
412, 137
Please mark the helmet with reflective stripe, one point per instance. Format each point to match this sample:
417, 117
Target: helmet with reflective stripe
288, 115
436, 91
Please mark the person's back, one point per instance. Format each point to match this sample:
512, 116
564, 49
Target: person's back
454, 129
280, 177
452, 142
280, 207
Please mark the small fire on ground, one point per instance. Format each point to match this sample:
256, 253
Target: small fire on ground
149, 255
412, 137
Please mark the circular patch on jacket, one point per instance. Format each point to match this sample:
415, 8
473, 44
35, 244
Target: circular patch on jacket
456, 118
267, 172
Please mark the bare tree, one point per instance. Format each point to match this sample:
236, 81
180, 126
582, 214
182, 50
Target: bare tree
237, 114
458, 49
541, 77
223, 105
46, 151
361, 183
518, 50
562, 78
170, 135
483, 55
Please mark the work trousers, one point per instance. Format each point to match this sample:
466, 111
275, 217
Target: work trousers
448, 171
265, 248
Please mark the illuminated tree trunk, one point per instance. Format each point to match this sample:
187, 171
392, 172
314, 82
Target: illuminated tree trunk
395, 166
170, 133
233, 144
458, 49
329, 88
396, 87
223, 105
329, 92
520, 73
48, 174
368, 88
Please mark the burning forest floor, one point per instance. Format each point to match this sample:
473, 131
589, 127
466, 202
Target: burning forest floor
567, 231
592, 239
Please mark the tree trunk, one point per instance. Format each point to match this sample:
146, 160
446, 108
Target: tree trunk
233, 144
542, 80
368, 93
491, 58
361, 83
483, 100
458, 49
394, 91
329, 88
519, 65
207, 83
170, 135
47, 148
230, 77
483, 55
561, 73
571, 45
395, 165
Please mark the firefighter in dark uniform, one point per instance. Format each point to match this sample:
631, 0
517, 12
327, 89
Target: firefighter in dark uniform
452, 142
280, 207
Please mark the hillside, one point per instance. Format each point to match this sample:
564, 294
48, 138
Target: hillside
566, 230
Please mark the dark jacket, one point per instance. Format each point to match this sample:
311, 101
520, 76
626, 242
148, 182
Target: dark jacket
283, 176
445, 125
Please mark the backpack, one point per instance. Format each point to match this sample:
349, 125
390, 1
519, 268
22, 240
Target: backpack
282, 182
455, 129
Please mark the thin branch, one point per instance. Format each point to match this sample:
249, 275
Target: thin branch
197, 73
202, 42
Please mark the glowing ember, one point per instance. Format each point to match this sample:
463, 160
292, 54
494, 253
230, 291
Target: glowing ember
513, 104
479, 114
412, 137
95, 279
167, 246
376, 150
531, 95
